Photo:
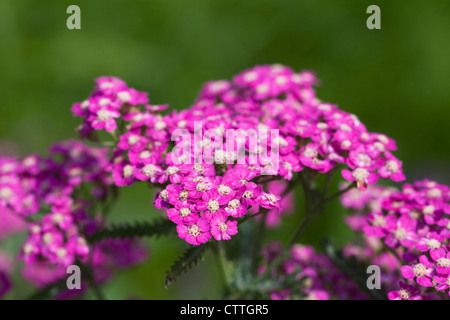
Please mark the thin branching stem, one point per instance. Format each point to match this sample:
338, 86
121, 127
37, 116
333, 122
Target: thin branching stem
340, 193
312, 209
220, 260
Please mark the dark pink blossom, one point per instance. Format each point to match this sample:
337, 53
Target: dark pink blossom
195, 233
407, 292
221, 229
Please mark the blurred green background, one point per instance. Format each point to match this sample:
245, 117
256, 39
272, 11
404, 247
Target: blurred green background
396, 80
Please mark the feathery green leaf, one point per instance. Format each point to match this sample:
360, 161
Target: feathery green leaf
155, 228
186, 261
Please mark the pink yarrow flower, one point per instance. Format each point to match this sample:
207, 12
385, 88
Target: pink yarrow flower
195, 233
221, 229
362, 177
407, 292
422, 272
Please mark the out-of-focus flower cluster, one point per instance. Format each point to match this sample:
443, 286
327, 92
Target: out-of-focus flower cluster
59, 199
107, 257
54, 186
213, 159
316, 276
414, 223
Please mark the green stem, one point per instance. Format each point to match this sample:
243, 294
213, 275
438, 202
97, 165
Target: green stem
114, 136
328, 179
339, 193
258, 240
309, 213
224, 265
87, 270
285, 253
301, 229
312, 209
96, 289
108, 204
247, 217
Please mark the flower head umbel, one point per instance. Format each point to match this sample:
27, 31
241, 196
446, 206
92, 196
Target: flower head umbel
221, 171
236, 153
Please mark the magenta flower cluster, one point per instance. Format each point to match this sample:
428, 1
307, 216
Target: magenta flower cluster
414, 223
208, 190
105, 259
317, 276
55, 198
53, 185
236, 153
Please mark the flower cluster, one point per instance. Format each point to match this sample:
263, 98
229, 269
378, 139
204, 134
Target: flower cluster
316, 276
55, 197
54, 186
60, 200
266, 121
144, 136
414, 223
104, 106
10, 223
107, 257
203, 206
236, 153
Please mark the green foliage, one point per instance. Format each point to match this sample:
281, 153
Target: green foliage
190, 258
156, 228
352, 268
49, 291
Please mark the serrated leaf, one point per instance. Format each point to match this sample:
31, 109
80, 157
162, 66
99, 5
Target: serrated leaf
155, 228
190, 258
